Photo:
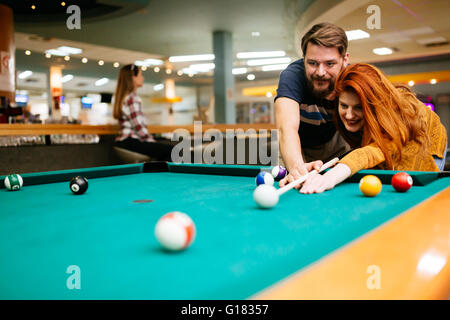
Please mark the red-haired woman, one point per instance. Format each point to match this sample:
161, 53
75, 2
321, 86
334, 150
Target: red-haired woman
386, 124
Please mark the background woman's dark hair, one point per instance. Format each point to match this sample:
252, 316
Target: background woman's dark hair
133, 68
124, 87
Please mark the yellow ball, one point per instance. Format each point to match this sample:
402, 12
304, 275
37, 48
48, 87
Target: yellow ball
370, 185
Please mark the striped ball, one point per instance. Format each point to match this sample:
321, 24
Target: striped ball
13, 182
279, 172
264, 178
175, 231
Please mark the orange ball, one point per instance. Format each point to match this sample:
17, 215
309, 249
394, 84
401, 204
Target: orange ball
370, 185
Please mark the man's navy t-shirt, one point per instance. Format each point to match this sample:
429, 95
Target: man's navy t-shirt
316, 115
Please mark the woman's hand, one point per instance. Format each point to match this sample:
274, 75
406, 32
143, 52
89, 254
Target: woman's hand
319, 183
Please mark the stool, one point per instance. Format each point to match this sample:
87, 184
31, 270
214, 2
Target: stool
128, 156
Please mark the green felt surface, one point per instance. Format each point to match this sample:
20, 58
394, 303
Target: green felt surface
239, 249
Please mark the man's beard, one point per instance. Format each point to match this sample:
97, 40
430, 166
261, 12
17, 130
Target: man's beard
322, 93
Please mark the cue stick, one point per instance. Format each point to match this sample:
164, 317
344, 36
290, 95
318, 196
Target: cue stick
302, 179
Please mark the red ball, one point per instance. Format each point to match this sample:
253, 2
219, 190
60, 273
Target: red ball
402, 181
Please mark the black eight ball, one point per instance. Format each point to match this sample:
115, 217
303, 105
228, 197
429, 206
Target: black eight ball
78, 185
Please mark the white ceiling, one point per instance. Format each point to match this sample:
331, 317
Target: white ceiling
185, 27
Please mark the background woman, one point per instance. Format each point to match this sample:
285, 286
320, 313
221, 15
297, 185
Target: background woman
389, 127
133, 133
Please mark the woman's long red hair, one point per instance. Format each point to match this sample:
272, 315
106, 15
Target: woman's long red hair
391, 113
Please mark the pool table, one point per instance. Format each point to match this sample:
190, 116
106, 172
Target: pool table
335, 245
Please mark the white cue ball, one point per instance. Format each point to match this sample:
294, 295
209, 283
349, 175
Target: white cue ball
266, 196
175, 231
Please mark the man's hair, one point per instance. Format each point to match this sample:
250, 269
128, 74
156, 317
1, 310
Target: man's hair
327, 35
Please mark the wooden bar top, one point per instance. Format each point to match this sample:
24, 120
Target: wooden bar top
47, 129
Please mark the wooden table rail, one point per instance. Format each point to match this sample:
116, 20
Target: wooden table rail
47, 129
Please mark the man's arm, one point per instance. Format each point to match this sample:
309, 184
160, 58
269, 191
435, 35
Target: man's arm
288, 122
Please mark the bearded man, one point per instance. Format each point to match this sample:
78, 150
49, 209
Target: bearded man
305, 102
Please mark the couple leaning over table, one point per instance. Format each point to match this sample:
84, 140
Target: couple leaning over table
325, 107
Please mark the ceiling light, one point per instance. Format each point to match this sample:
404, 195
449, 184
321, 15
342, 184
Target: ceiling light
55, 52
153, 62
27, 52
251, 77
269, 94
63, 4
188, 71
239, 71
274, 67
202, 67
156, 69
260, 54
382, 51
191, 75
101, 82
255, 34
70, 50
168, 71
148, 62
67, 78
101, 62
180, 72
356, 34
25, 74
260, 62
143, 68
116, 64
67, 58
84, 60
433, 81
48, 55
33, 7
198, 57
411, 83
158, 87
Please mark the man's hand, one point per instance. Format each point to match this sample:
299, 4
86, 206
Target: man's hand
300, 171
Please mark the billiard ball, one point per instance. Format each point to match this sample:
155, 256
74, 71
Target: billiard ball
279, 172
401, 181
78, 185
175, 231
264, 178
266, 196
13, 182
370, 185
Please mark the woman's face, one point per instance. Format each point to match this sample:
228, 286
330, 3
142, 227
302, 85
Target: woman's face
138, 80
350, 111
